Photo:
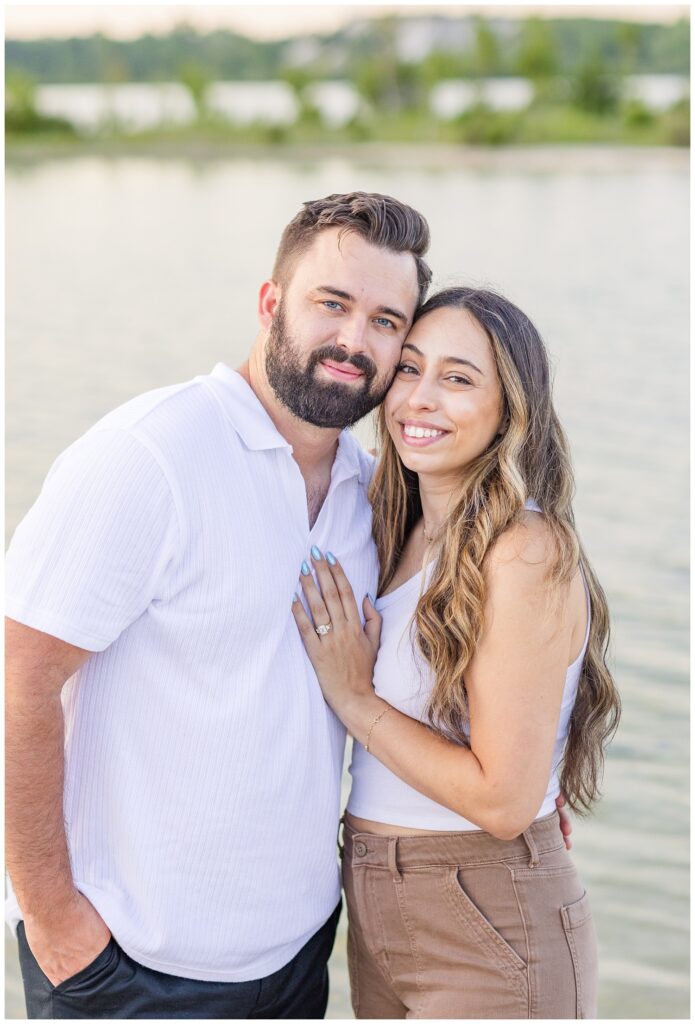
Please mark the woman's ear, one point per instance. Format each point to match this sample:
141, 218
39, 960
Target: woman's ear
504, 425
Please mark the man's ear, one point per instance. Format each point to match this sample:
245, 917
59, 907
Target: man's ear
268, 299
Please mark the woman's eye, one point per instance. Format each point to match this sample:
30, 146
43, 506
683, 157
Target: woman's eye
405, 368
455, 379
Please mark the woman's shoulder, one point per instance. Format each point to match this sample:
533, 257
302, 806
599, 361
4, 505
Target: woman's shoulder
528, 547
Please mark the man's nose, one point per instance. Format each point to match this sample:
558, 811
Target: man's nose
352, 335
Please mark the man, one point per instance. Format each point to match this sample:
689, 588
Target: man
173, 773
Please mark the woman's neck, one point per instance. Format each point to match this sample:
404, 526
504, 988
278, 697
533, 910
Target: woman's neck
437, 497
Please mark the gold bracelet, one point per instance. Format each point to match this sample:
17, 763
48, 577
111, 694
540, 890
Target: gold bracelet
377, 719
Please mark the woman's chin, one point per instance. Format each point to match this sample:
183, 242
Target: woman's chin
418, 460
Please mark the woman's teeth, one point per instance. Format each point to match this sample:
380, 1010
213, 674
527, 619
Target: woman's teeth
422, 432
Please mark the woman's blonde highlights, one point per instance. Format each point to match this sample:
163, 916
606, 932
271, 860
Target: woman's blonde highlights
528, 459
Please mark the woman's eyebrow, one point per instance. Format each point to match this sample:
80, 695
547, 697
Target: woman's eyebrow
446, 359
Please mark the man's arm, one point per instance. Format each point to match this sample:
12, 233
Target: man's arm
64, 931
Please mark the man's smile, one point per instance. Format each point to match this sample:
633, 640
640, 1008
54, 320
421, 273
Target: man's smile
341, 371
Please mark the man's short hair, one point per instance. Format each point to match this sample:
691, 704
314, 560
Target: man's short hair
381, 220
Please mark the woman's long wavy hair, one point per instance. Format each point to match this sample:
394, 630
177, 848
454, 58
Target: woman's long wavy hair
528, 459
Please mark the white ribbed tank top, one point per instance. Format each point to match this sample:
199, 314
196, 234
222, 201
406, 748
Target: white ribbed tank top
402, 677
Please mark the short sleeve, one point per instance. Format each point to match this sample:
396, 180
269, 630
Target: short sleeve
93, 551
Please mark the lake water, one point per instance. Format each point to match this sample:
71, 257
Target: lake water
129, 273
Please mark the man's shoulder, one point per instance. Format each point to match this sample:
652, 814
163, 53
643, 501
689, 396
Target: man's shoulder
164, 404
168, 426
178, 421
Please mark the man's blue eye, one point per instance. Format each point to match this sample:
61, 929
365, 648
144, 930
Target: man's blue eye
383, 322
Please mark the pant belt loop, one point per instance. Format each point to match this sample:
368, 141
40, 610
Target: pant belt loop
532, 848
393, 864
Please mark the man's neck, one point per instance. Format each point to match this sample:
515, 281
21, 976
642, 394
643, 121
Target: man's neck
313, 448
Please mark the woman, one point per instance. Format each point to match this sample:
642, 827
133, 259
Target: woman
490, 692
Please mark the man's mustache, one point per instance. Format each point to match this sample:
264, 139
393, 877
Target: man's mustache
339, 355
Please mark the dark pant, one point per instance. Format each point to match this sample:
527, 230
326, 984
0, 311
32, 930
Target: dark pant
116, 986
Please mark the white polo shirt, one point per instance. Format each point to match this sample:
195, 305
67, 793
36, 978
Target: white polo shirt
203, 766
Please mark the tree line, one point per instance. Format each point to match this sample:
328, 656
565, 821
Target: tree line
532, 47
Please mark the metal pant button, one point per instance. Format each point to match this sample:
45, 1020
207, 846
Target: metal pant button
360, 849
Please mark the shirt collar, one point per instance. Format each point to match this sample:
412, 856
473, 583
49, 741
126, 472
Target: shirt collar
243, 409
258, 432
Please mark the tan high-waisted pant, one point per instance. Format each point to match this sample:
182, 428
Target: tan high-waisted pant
464, 925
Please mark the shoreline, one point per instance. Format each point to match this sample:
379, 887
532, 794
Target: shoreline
447, 156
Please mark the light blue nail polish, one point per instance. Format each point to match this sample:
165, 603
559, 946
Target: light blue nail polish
305, 569
315, 553
330, 558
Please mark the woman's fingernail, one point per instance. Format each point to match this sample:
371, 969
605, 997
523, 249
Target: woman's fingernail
315, 553
330, 558
305, 569
295, 597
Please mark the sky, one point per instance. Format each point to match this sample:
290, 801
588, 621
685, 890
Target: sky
265, 21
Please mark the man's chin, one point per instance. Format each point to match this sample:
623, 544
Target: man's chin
331, 415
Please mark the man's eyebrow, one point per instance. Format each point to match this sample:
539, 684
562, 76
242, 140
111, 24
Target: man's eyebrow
446, 359
328, 289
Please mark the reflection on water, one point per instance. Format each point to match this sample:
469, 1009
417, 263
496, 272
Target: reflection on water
131, 273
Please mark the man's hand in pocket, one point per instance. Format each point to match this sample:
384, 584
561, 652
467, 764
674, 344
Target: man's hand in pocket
64, 942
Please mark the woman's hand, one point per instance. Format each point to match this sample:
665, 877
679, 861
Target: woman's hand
344, 655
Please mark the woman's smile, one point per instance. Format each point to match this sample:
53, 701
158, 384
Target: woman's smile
418, 434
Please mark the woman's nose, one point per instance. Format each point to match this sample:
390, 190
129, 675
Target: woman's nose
423, 395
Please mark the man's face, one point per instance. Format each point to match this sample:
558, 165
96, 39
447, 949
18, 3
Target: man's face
336, 334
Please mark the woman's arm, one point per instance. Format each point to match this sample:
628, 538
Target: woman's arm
515, 683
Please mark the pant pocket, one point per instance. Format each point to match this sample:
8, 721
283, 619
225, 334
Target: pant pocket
94, 970
578, 925
94, 967
476, 892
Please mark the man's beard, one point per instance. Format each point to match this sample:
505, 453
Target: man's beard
319, 402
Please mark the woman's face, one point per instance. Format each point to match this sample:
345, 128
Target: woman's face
445, 404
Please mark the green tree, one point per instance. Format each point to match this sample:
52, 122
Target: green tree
670, 51
595, 89
21, 114
20, 94
486, 51
299, 79
197, 80
383, 79
537, 58
439, 65
629, 36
